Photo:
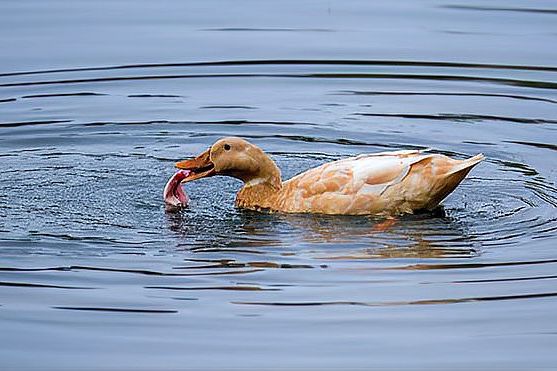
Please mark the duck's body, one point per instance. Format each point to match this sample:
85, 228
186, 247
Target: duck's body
388, 182
381, 183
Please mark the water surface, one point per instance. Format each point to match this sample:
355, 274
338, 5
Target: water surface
99, 99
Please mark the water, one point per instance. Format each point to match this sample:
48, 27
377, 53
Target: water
99, 99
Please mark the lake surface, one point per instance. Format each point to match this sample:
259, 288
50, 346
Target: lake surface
99, 99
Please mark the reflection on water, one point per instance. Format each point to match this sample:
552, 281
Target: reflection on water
90, 260
426, 235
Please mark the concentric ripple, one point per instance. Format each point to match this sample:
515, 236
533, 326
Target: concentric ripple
86, 152
82, 143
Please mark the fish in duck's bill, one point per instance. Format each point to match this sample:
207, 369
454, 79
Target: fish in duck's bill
385, 183
174, 195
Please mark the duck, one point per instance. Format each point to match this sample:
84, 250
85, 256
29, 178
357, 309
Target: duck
383, 183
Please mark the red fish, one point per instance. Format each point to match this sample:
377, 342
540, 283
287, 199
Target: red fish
174, 195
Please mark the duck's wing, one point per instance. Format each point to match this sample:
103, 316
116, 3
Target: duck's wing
365, 184
349, 186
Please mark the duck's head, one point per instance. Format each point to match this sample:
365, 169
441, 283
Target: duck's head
235, 157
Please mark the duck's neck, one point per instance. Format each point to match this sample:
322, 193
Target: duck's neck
260, 190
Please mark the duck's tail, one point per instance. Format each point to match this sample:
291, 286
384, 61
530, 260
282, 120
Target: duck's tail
451, 179
465, 166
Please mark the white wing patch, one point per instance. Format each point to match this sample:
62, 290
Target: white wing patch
361, 170
367, 166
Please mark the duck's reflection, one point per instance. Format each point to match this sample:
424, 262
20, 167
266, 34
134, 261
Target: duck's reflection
429, 235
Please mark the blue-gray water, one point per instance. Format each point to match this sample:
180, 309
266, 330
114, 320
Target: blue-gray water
99, 99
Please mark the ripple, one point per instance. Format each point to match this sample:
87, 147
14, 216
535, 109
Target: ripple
538, 145
118, 310
145, 272
536, 84
52, 95
461, 117
31, 123
404, 303
471, 265
248, 29
507, 279
227, 107
287, 62
500, 9
225, 288
222, 122
255, 264
442, 94
154, 96
38, 285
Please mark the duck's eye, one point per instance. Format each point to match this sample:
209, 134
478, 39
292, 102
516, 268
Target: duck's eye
227, 147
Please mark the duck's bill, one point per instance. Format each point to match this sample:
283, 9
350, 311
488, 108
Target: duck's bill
174, 195
199, 167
